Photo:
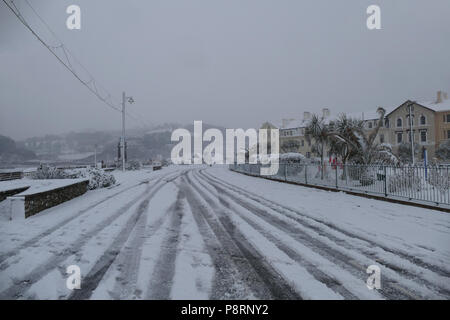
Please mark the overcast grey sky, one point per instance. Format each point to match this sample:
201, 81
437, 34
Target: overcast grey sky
234, 63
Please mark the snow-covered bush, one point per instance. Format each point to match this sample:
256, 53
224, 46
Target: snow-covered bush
47, 172
99, 179
367, 177
403, 180
439, 178
133, 165
443, 151
292, 157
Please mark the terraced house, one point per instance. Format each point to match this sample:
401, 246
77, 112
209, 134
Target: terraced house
292, 134
430, 122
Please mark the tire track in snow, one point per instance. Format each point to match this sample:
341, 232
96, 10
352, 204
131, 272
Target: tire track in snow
58, 226
250, 262
390, 288
43, 269
273, 205
131, 257
319, 275
300, 218
228, 282
163, 273
95, 275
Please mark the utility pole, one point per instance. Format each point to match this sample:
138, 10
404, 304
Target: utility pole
130, 100
95, 156
411, 134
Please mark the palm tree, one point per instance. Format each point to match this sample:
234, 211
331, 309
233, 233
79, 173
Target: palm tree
343, 127
362, 148
319, 131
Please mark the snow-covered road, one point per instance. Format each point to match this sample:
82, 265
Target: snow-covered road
209, 233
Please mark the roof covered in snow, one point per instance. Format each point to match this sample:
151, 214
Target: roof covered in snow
443, 106
365, 115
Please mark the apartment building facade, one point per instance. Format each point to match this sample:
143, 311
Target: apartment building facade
430, 122
293, 137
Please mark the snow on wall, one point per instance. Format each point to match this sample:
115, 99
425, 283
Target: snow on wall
34, 200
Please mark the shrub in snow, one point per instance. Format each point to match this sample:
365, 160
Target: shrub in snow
405, 179
443, 152
366, 175
404, 152
133, 165
292, 157
439, 178
47, 172
99, 179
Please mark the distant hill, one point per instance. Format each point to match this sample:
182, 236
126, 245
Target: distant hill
10, 152
79, 147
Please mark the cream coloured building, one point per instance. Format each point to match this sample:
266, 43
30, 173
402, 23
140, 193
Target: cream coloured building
430, 126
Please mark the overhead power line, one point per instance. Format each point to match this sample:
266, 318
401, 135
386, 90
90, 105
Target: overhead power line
68, 59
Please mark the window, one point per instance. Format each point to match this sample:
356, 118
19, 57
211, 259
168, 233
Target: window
381, 138
309, 143
399, 122
370, 124
308, 155
423, 136
386, 123
423, 120
303, 143
448, 118
448, 134
399, 137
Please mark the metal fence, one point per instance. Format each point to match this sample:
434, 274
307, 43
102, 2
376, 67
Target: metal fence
429, 185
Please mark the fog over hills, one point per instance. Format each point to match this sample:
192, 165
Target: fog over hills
80, 147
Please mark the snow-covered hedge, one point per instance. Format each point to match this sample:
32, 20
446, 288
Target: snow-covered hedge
47, 172
404, 180
292, 157
439, 179
97, 177
133, 165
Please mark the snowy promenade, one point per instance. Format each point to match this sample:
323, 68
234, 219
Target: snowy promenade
208, 233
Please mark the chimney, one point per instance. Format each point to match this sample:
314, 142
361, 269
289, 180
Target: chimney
325, 112
306, 115
439, 97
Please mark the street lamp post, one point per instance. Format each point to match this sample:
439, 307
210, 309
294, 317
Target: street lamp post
411, 134
130, 101
95, 156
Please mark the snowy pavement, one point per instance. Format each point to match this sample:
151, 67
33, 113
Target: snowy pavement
208, 233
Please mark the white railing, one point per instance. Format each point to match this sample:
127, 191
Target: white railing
429, 185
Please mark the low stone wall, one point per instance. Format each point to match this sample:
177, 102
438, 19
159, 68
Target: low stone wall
29, 204
9, 193
37, 202
10, 175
